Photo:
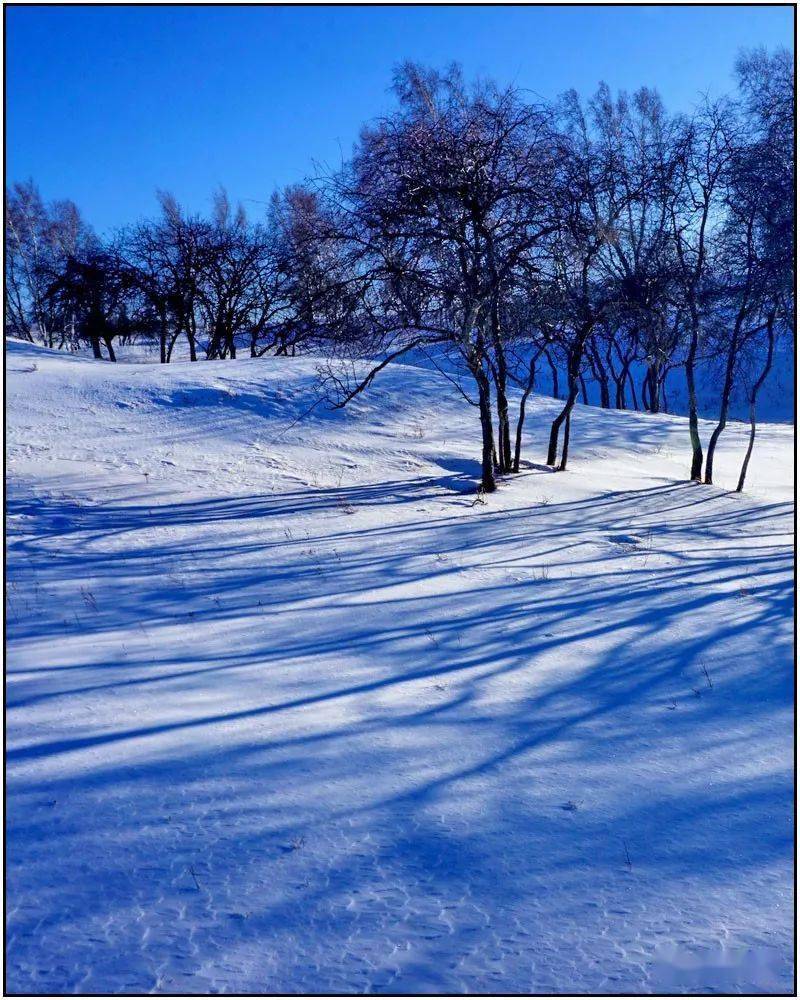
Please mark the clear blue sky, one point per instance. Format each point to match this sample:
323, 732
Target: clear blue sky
104, 105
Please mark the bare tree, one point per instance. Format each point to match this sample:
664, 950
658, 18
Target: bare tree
703, 155
764, 179
442, 204
589, 208
95, 287
39, 240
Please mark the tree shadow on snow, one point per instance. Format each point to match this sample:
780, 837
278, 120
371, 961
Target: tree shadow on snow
501, 698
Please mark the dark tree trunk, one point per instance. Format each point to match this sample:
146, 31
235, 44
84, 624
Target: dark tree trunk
555, 427
605, 395
601, 376
171, 345
754, 396
521, 419
694, 432
584, 393
553, 372
565, 447
488, 484
503, 426
727, 388
652, 381
110, 348
214, 350
563, 416
619, 383
505, 440
712, 444
573, 374
500, 371
632, 384
96, 347
552, 450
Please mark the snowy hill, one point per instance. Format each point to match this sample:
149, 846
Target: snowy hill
289, 712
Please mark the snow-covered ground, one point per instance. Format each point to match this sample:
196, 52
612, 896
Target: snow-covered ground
289, 711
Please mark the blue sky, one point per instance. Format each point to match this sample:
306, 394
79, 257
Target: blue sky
104, 105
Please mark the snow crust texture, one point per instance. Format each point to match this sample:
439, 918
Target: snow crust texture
288, 711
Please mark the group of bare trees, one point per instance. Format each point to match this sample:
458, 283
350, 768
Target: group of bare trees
605, 242
217, 284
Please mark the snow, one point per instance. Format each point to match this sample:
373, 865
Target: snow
288, 711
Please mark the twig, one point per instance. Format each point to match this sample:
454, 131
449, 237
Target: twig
379, 367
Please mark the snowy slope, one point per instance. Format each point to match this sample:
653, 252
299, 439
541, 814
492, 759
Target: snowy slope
288, 711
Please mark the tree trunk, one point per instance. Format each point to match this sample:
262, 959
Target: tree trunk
620, 382
565, 448
694, 432
721, 423
500, 371
573, 373
632, 384
552, 450
171, 345
488, 484
601, 376
96, 347
712, 444
521, 419
727, 387
555, 427
110, 348
754, 396
605, 395
652, 381
503, 426
620, 401
553, 372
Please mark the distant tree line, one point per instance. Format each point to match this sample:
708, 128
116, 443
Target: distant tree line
496, 236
